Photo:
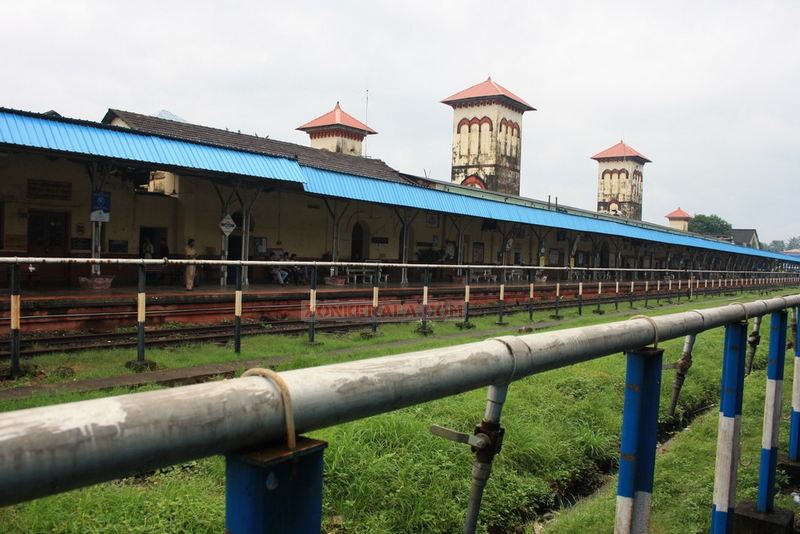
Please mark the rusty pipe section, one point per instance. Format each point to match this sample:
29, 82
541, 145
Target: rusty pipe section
56, 448
683, 368
753, 340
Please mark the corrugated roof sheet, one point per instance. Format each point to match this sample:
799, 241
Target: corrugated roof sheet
357, 188
80, 137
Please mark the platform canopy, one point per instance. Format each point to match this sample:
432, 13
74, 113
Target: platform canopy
69, 136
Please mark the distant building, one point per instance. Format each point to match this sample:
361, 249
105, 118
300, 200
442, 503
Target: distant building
337, 131
746, 238
679, 220
619, 181
487, 134
792, 252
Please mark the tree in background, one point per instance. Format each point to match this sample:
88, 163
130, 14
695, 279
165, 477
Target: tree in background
710, 225
793, 243
776, 246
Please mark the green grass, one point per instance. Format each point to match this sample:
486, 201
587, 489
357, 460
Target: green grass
389, 474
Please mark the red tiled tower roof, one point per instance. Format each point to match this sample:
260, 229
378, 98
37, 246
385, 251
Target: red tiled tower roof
337, 117
678, 214
620, 151
485, 90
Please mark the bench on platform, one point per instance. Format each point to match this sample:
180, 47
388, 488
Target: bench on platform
365, 275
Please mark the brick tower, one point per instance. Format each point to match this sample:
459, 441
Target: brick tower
337, 131
486, 137
619, 181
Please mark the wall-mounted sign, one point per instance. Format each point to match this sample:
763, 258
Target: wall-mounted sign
226, 225
101, 207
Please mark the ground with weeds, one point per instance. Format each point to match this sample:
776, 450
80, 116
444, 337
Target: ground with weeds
389, 474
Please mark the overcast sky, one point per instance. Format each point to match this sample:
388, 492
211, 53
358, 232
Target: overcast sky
707, 90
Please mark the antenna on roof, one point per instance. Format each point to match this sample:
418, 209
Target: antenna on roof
426, 173
366, 119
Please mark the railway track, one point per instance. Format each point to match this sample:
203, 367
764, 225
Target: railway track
36, 345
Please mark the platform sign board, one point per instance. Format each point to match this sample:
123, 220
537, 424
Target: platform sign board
226, 225
101, 207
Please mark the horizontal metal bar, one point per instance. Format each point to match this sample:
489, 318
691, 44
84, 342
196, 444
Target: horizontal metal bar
369, 265
53, 449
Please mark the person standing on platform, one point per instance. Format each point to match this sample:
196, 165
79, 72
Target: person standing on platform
191, 254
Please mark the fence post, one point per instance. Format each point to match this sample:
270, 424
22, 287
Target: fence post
729, 428
312, 306
580, 298
658, 292
16, 369
424, 328
237, 312
772, 412
375, 289
556, 315
794, 428
531, 279
599, 297
616, 296
638, 440
140, 363
646, 293
466, 322
502, 303
630, 294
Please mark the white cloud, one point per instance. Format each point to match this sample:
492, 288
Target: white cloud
704, 89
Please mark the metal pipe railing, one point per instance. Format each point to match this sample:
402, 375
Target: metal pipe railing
380, 264
53, 449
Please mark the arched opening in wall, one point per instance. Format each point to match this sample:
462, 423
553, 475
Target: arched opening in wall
474, 181
359, 242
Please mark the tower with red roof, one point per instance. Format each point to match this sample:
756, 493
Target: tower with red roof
487, 121
619, 181
337, 131
679, 219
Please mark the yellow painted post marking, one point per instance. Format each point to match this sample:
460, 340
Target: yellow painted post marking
15, 314
140, 309
375, 297
425, 296
238, 304
312, 305
502, 291
466, 293
558, 289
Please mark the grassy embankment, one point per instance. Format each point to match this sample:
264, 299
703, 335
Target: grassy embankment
387, 473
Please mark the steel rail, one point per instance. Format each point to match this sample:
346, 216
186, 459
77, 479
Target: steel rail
53, 449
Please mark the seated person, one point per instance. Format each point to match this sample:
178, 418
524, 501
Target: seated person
279, 273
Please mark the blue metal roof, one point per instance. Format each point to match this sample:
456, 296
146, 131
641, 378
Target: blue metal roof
83, 138
352, 187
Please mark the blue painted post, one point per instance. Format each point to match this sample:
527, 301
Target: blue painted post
275, 490
140, 315
16, 369
729, 428
237, 312
772, 412
639, 439
794, 427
